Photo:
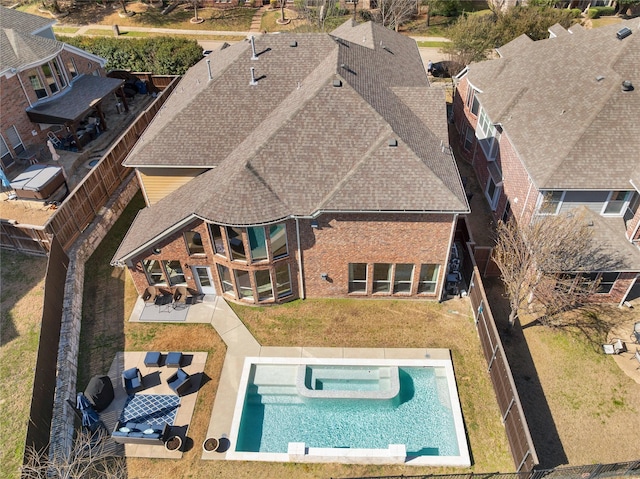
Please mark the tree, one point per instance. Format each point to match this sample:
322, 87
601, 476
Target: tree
474, 36
627, 5
393, 13
545, 264
317, 15
88, 458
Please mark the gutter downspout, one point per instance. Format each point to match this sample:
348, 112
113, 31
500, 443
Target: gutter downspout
526, 200
446, 264
300, 271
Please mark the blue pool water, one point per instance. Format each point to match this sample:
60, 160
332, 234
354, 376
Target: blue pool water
419, 416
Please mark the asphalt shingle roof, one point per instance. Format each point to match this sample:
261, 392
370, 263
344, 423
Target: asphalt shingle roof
296, 144
18, 45
561, 104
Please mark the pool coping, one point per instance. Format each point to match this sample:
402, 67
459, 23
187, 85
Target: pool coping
394, 454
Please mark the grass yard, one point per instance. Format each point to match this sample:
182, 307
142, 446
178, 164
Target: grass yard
21, 301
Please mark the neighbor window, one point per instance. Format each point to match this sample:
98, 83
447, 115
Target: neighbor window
283, 280
71, 68
49, 78
194, 242
36, 83
278, 237
606, 282
5, 155
468, 138
218, 242
487, 135
257, 243
357, 277
244, 284
263, 285
381, 278
492, 191
550, 203
472, 101
15, 140
617, 202
174, 270
236, 245
402, 279
428, 278
225, 279
59, 75
155, 275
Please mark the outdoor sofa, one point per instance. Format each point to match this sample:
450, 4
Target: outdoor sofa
140, 433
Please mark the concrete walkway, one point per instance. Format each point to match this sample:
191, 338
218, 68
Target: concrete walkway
256, 21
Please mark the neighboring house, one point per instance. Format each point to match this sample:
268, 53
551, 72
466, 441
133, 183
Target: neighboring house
43, 82
313, 165
553, 125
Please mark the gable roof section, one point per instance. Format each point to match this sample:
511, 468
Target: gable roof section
20, 49
561, 104
23, 22
295, 144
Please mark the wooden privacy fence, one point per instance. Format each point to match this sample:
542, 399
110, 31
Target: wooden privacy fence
44, 382
93, 192
83, 204
515, 423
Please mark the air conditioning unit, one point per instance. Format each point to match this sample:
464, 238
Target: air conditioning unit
623, 33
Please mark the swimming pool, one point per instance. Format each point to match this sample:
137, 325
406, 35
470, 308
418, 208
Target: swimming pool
348, 410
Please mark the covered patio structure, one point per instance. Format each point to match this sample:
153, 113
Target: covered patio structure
84, 96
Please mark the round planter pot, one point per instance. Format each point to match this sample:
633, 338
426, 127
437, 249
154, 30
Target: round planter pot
210, 444
174, 443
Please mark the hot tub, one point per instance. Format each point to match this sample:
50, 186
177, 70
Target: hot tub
39, 182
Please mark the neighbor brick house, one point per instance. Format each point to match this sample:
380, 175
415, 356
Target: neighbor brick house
44, 84
313, 165
552, 126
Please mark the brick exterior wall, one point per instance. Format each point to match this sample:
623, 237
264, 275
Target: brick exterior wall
15, 102
175, 248
517, 186
339, 240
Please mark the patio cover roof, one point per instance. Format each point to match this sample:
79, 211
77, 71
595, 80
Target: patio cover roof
73, 104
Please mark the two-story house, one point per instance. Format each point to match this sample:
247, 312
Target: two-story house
44, 84
299, 165
553, 125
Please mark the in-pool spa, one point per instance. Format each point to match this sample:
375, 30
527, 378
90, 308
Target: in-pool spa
349, 410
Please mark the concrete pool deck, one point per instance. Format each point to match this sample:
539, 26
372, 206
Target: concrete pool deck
241, 344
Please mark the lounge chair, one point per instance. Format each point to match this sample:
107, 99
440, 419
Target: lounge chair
179, 382
149, 295
616, 347
637, 356
132, 380
180, 298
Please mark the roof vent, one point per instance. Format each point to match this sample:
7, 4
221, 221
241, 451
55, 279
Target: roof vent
623, 33
599, 78
293, 44
253, 77
209, 69
627, 86
393, 142
253, 48
337, 83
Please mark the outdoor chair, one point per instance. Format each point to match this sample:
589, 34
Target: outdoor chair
637, 357
132, 380
616, 347
149, 295
179, 382
180, 298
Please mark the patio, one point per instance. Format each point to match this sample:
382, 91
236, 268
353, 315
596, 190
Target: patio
626, 360
200, 312
155, 389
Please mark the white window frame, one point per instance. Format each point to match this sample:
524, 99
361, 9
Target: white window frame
469, 135
541, 202
358, 281
611, 283
487, 135
397, 282
5, 152
624, 204
428, 284
493, 202
18, 146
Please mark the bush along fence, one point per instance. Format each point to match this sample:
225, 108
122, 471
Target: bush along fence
88, 198
591, 471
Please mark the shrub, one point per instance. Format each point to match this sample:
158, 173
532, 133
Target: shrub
597, 12
161, 55
576, 12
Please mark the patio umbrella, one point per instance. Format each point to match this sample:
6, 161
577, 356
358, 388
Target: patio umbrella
89, 415
4, 179
52, 149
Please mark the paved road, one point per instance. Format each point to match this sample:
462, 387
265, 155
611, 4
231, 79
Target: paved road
427, 54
